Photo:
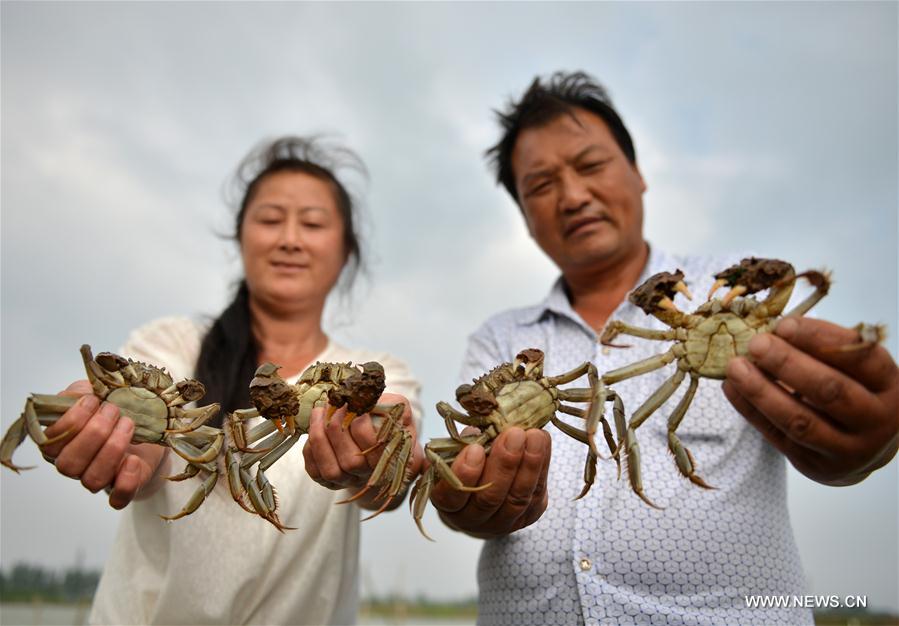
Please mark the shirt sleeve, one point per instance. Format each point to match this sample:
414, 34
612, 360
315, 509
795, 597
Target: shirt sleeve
400, 380
169, 342
483, 353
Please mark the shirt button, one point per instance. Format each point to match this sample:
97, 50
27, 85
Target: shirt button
585, 565
606, 351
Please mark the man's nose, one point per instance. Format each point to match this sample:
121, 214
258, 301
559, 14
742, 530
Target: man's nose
573, 193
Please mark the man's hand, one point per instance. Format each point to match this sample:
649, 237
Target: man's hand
333, 455
834, 414
98, 449
517, 468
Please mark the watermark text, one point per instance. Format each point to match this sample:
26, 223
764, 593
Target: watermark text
806, 602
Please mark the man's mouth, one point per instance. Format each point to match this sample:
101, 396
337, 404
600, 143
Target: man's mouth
576, 225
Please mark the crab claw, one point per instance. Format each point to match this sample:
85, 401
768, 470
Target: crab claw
739, 290
347, 420
652, 294
667, 304
681, 287
715, 287
529, 363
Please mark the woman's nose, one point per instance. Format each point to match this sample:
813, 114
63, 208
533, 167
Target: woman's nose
291, 236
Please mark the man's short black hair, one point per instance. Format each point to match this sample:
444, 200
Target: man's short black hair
543, 102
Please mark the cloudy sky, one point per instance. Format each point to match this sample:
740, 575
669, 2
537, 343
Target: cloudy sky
764, 127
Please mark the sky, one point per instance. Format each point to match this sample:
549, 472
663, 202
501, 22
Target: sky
769, 128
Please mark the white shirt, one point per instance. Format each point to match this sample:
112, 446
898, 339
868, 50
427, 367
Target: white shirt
609, 558
222, 565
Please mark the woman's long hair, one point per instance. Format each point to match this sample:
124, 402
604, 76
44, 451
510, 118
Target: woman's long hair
229, 352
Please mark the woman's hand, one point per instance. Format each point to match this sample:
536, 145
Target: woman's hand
98, 451
334, 456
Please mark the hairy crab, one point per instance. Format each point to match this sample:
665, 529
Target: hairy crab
287, 410
145, 394
516, 395
704, 340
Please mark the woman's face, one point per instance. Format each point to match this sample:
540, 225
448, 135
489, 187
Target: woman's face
292, 240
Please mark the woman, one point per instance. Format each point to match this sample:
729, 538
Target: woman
296, 230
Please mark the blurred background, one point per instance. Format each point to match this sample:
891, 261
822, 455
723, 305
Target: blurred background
766, 127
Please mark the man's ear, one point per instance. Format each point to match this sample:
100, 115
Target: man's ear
527, 220
643, 185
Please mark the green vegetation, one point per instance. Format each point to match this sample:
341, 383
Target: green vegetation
855, 617
76, 585
26, 583
399, 609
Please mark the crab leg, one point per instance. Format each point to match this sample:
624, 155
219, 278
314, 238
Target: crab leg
641, 367
421, 492
196, 499
685, 462
445, 472
198, 417
567, 377
449, 412
256, 454
869, 335
11, 440
235, 486
399, 448
189, 472
606, 429
33, 426
617, 327
590, 465
391, 415
821, 282
269, 458
595, 396
192, 454
268, 492
632, 448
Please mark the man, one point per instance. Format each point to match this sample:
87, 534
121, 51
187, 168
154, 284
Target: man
568, 161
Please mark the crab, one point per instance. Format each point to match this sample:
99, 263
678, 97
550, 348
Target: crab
145, 394
705, 340
517, 395
287, 410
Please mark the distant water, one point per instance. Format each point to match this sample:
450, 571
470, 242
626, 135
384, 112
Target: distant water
42, 614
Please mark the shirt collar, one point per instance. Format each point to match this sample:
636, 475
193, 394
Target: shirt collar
557, 301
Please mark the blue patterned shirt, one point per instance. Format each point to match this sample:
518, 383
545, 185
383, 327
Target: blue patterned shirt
609, 558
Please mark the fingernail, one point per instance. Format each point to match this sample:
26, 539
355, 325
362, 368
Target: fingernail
534, 445
787, 327
131, 466
515, 440
759, 345
89, 402
474, 456
737, 370
124, 425
109, 411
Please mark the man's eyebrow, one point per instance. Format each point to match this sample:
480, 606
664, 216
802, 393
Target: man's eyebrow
591, 148
539, 173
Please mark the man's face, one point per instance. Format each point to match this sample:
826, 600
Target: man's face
581, 197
